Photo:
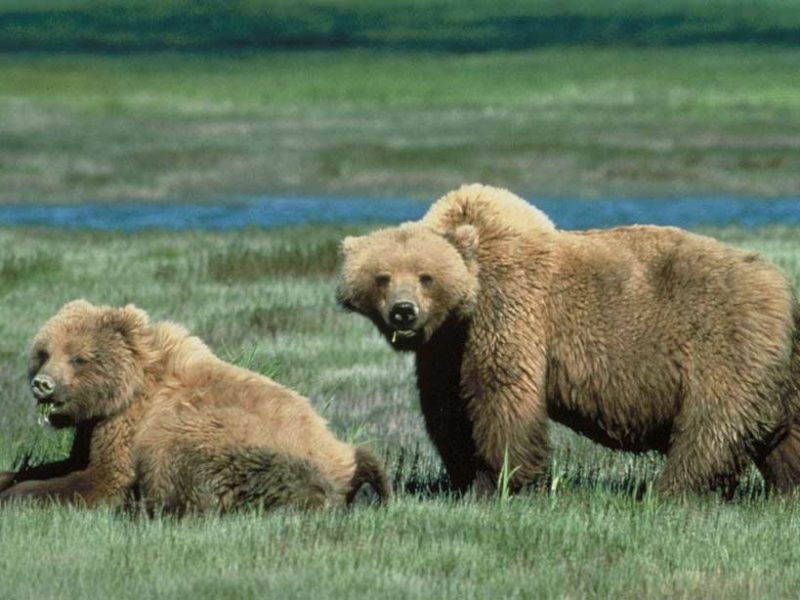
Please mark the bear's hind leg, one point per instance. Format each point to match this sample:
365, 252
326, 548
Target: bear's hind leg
183, 479
511, 453
724, 416
257, 476
369, 471
702, 458
780, 465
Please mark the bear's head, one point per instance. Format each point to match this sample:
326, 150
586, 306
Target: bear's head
409, 280
86, 362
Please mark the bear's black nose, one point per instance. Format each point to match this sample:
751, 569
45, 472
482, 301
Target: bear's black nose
43, 387
403, 314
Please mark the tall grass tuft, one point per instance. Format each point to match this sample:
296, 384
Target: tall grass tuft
504, 479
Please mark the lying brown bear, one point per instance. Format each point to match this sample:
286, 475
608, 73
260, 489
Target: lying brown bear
156, 412
641, 338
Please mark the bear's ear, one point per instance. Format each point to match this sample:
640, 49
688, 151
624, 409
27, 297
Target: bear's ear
347, 245
79, 305
465, 239
126, 321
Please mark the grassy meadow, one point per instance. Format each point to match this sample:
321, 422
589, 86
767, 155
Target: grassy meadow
580, 121
264, 299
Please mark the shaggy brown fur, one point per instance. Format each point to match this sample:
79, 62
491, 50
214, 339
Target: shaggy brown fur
641, 338
157, 412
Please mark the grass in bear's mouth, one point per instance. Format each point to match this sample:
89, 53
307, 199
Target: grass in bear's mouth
43, 412
45, 408
404, 333
589, 533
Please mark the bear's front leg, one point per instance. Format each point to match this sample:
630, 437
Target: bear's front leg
79, 487
45, 471
514, 453
445, 410
450, 430
510, 425
78, 460
7, 479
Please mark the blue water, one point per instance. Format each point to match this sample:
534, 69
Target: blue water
274, 212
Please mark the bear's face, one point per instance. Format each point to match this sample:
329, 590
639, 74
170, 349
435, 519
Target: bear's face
408, 280
85, 363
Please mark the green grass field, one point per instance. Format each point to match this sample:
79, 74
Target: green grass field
253, 297
556, 121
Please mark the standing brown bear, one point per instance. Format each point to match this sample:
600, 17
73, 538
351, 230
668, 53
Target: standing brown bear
641, 338
157, 413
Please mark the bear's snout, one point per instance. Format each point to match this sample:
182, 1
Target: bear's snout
43, 387
403, 314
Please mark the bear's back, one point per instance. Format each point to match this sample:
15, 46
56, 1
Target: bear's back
673, 261
216, 404
663, 291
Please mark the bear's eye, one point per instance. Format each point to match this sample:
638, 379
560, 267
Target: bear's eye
42, 356
425, 279
78, 361
382, 279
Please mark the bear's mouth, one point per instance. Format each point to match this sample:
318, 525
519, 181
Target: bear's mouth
43, 412
53, 413
400, 338
403, 334
50, 402
45, 409
404, 339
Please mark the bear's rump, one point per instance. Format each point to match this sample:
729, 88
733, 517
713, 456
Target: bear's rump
627, 356
294, 430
